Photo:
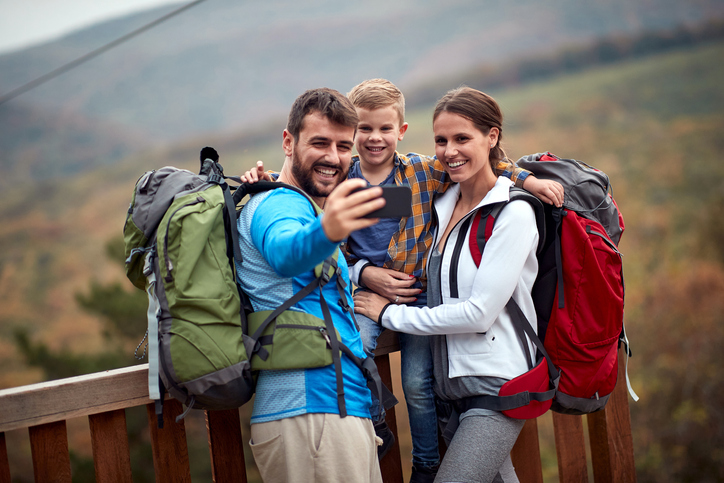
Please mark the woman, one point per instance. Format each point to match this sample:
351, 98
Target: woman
476, 349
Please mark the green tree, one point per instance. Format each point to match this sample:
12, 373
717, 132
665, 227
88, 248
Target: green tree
123, 313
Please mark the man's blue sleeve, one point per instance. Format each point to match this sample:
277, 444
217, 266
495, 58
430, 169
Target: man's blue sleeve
288, 234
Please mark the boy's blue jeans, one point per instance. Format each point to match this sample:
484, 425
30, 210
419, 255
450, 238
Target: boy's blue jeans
417, 383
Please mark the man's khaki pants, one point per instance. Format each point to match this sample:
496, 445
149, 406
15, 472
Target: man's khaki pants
316, 448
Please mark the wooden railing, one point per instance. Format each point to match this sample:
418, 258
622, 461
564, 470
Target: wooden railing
103, 397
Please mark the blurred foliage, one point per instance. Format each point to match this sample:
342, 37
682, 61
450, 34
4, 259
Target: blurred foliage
57, 364
679, 425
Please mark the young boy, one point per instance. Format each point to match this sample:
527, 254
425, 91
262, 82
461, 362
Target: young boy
389, 257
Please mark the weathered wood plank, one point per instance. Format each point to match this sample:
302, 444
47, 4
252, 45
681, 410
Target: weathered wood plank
391, 465
111, 453
49, 448
4, 462
387, 343
226, 446
610, 435
170, 451
80, 396
526, 454
570, 448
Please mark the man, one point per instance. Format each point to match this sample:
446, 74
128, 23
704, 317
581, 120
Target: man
302, 429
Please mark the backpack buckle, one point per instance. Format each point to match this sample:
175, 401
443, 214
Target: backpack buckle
325, 275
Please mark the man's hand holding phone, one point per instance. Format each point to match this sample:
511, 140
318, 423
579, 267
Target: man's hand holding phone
346, 207
353, 206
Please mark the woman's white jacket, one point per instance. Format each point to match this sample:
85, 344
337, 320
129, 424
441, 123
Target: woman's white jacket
481, 340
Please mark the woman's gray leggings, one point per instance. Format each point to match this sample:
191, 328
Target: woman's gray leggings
480, 450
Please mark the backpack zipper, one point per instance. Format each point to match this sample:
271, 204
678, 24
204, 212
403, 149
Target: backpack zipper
605, 238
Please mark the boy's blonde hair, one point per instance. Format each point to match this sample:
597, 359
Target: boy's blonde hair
376, 94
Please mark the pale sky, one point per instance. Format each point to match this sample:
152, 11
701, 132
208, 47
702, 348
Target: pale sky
27, 22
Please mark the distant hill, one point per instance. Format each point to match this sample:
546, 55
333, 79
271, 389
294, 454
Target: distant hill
228, 65
654, 125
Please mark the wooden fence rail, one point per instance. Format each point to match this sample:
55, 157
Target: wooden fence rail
103, 397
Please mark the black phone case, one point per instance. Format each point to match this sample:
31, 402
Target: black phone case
398, 203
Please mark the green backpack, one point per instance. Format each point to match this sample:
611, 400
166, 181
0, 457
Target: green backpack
205, 343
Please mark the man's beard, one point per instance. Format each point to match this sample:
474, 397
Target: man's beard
305, 177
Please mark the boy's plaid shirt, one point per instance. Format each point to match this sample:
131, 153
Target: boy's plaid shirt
407, 251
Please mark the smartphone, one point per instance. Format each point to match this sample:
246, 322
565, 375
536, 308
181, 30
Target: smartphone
398, 202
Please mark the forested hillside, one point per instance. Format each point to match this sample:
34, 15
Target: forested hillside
227, 65
654, 125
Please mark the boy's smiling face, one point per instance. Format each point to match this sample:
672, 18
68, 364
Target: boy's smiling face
378, 132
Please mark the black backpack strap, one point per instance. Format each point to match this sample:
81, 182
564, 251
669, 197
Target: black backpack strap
259, 187
334, 344
521, 324
558, 214
230, 218
374, 381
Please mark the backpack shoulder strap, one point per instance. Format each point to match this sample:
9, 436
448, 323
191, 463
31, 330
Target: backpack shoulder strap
262, 186
484, 221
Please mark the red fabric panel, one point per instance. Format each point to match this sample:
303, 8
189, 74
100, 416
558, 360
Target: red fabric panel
535, 380
582, 337
473, 241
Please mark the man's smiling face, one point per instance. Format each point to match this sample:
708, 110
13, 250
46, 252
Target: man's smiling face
321, 156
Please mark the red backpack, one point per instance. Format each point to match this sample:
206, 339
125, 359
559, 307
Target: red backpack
578, 293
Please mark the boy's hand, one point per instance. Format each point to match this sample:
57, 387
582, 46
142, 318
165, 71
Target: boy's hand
391, 284
369, 304
254, 175
343, 210
546, 190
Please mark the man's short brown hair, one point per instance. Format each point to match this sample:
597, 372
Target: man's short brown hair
328, 102
376, 94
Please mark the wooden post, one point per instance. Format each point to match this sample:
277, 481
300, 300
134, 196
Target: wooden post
111, 454
4, 462
170, 451
570, 448
610, 434
391, 465
526, 454
226, 446
49, 447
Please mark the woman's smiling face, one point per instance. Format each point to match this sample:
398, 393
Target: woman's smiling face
461, 147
